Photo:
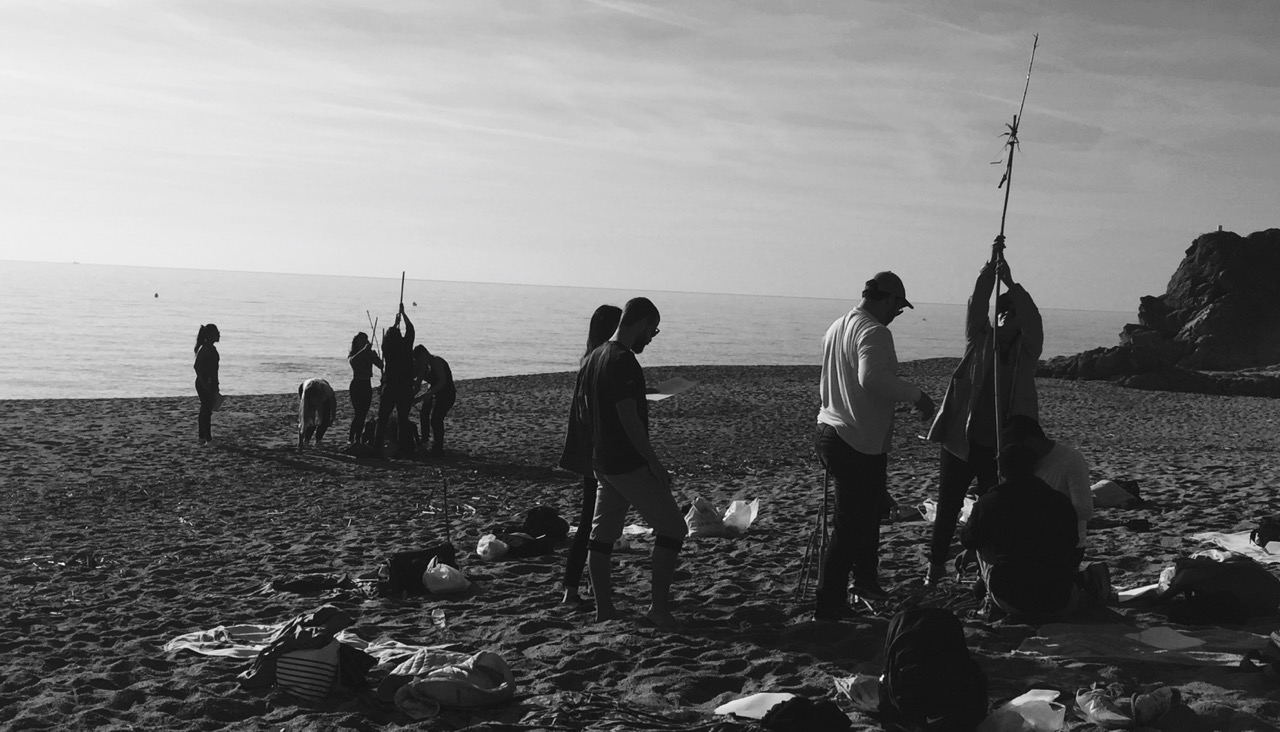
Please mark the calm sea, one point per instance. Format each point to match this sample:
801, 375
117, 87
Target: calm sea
75, 331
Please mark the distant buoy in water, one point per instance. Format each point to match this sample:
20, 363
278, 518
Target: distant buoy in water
415, 303
157, 294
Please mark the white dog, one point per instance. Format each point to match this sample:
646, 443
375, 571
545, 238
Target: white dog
317, 408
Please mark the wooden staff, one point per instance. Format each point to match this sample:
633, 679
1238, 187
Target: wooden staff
997, 249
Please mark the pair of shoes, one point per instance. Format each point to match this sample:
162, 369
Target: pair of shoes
834, 613
870, 590
935, 574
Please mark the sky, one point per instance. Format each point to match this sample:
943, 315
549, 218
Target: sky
736, 146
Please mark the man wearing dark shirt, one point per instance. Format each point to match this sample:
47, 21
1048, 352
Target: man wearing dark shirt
611, 391
1025, 536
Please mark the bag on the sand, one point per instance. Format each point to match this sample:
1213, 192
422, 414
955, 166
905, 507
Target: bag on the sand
403, 570
801, 714
1268, 531
541, 521
440, 578
703, 519
1221, 586
930, 681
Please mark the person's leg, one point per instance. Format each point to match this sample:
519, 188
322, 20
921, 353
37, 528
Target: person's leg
577, 558
982, 459
658, 508
204, 420
424, 421
404, 417
361, 397
859, 482
954, 476
606, 526
385, 406
872, 473
440, 406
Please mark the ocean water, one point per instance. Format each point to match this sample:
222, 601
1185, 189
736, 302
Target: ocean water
74, 331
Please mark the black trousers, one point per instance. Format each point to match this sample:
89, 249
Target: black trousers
954, 477
397, 397
860, 481
577, 558
204, 421
432, 418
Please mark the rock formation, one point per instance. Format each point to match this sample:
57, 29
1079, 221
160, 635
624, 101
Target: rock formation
1216, 329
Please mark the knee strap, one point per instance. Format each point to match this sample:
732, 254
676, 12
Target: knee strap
668, 542
602, 547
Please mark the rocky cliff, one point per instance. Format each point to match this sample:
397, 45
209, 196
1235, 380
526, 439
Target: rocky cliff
1216, 328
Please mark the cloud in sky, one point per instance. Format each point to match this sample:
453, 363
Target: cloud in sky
720, 146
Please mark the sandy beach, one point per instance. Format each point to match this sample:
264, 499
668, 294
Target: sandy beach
119, 533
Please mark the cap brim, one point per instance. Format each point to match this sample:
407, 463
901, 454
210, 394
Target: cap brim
907, 303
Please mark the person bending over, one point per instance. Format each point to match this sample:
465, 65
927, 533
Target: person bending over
966, 423
1060, 465
439, 398
1023, 534
612, 389
576, 456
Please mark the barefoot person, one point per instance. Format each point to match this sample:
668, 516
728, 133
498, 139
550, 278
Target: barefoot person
859, 388
206, 367
966, 423
611, 387
576, 458
362, 360
439, 398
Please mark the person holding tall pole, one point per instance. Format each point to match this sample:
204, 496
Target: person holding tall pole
995, 378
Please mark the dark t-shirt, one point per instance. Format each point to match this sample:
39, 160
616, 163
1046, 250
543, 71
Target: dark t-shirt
1027, 531
612, 374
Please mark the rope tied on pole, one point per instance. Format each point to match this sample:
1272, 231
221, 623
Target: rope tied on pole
1011, 144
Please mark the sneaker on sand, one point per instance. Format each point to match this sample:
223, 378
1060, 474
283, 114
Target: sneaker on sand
871, 591
935, 574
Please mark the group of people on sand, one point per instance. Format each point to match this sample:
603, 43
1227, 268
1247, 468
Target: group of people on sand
405, 368
1026, 530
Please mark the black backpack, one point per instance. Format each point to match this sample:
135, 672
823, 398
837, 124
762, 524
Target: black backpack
930, 681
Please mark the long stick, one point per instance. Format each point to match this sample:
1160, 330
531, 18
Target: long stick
402, 289
997, 249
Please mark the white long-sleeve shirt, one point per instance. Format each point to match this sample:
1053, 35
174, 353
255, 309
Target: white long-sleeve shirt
1066, 470
860, 383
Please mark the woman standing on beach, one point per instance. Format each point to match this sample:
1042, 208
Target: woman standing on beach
362, 360
576, 457
206, 367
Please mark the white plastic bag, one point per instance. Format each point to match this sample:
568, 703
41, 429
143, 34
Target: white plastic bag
929, 509
703, 519
862, 690
739, 516
490, 547
1034, 711
443, 578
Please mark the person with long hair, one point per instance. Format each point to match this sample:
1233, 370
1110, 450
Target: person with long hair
362, 359
437, 400
576, 458
397, 385
206, 367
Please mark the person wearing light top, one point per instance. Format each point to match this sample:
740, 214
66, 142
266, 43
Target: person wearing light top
1063, 467
859, 389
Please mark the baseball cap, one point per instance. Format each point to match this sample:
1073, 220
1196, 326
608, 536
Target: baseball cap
887, 283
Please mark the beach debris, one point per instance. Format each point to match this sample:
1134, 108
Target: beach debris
1034, 711
704, 520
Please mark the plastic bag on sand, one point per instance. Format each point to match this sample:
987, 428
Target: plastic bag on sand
490, 547
1034, 711
863, 690
929, 509
441, 578
703, 519
739, 516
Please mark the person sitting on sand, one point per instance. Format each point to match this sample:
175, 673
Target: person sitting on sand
362, 360
1063, 467
438, 399
576, 457
858, 388
1023, 534
612, 391
397, 385
206, 367
966, 422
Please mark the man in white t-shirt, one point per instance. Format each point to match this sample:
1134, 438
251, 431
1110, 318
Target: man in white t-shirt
859, 389
1063, 467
